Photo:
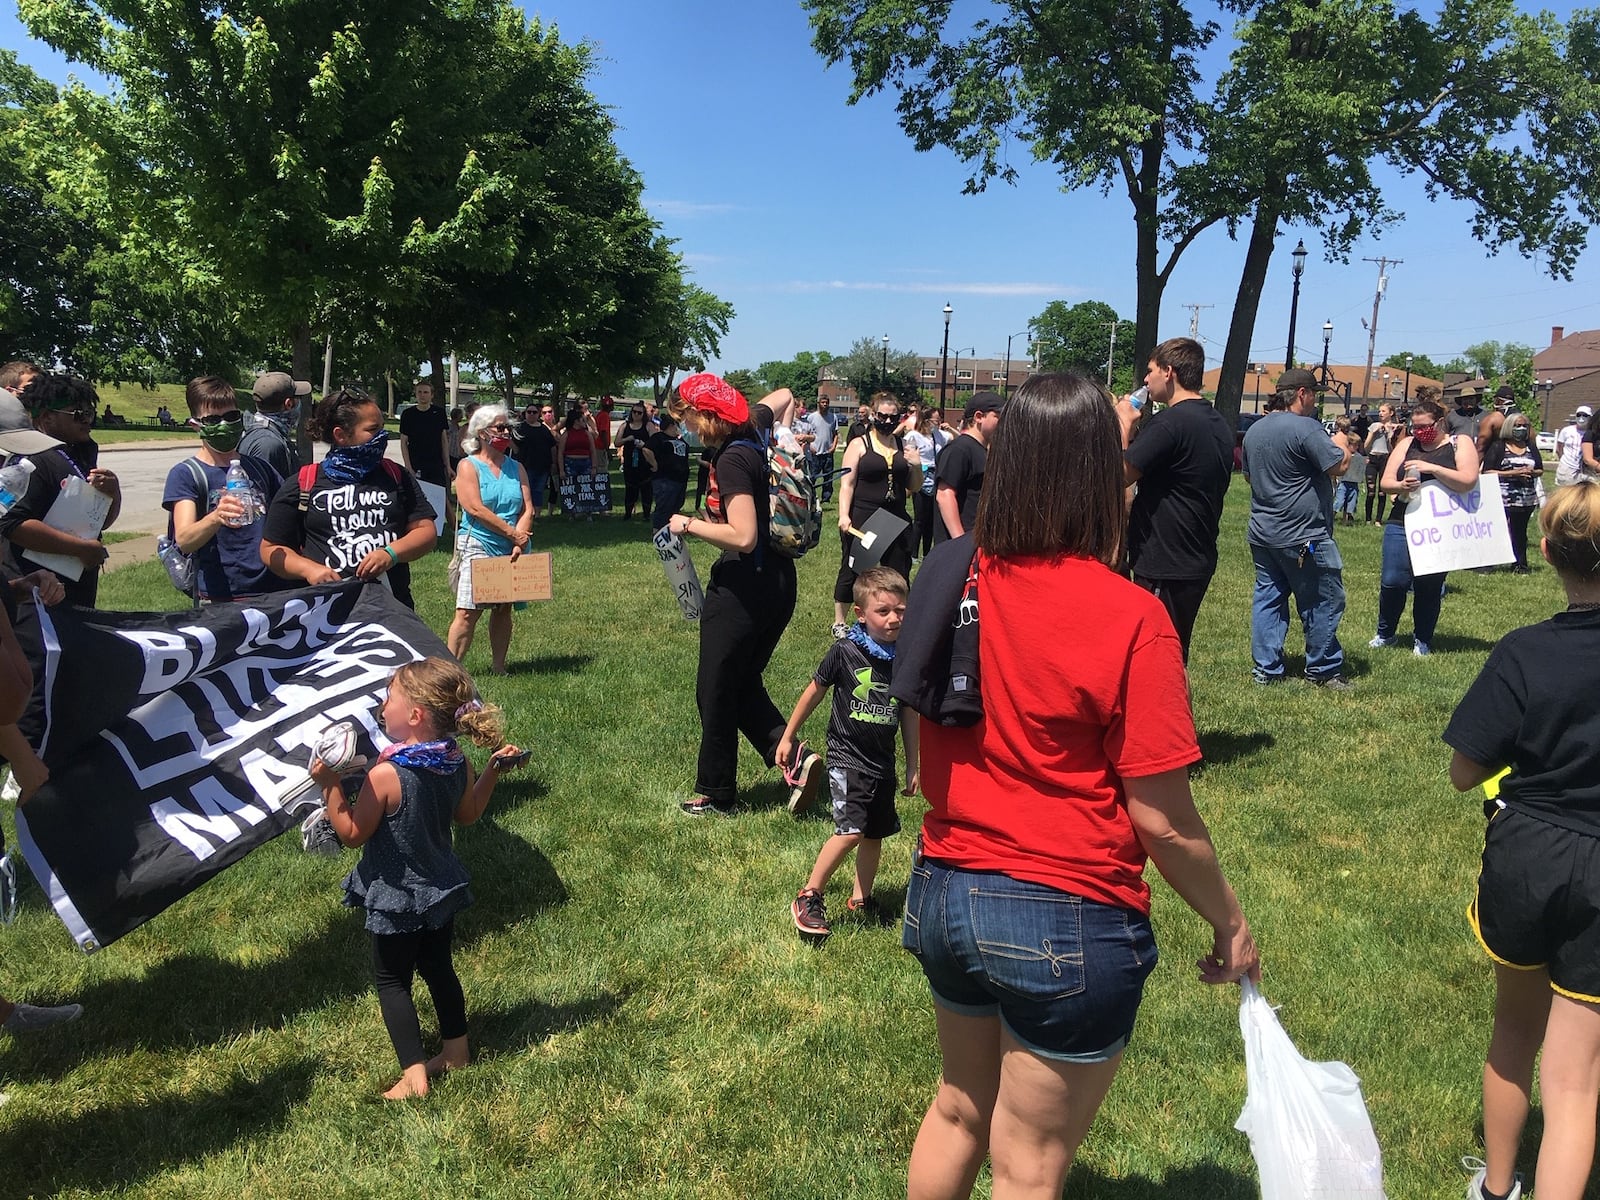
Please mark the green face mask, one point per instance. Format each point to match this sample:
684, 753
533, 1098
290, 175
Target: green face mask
221, 435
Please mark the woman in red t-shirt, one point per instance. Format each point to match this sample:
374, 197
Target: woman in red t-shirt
1027, 906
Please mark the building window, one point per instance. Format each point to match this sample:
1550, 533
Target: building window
963, 375
997, 375
929, 373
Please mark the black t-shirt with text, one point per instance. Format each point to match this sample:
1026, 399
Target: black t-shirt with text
1184, 456
423, 429
1532, 708
672, 457
345, 522
864, 719
960, 466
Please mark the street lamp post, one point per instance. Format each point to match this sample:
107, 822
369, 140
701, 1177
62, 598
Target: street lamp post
1019, 333
1407, 396
944, 355
1260, 371
1299, 257
885, 372
959, 353
1549, 386
1386, 395
1327, 340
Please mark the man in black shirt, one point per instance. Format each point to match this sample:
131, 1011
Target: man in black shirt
1182, 462
534, 447
424, 440
668, 457
958, 471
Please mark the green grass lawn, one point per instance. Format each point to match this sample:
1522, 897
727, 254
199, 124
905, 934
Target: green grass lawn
646, 1022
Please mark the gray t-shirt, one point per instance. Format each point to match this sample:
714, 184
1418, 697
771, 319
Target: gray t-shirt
821, 426
1291, 495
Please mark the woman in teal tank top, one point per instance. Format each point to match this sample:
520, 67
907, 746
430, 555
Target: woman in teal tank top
496, 521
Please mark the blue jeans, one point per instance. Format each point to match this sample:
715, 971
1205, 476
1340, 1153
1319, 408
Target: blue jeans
1345, 502
1317, 584
668, 496
1397, 579
819, 469
1064, 974
538, 485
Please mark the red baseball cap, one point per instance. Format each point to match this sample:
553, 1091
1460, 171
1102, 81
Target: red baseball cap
712, 394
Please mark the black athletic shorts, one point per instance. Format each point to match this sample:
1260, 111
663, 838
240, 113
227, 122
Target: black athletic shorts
863, 803
1538, 901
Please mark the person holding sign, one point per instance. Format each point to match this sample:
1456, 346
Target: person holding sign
748, 601
877, 475
1451, 460
496, 521
577, 457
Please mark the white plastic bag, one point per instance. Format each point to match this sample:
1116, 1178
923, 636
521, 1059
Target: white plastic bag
1308, 1126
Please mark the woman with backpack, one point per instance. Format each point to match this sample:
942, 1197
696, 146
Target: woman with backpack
356, 514
877, 475
749, 598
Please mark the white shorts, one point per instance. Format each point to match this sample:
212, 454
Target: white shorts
469, 548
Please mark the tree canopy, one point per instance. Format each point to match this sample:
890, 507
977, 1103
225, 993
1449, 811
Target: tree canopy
1078, 337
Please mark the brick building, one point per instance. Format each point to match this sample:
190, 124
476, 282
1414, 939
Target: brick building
963, 376
1571, 367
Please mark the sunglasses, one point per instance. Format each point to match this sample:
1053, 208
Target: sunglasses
77, 414
235, 417
502, 426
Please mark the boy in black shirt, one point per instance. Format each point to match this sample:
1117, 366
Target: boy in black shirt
861, 731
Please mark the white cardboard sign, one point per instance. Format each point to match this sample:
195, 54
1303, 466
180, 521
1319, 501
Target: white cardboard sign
1455, 531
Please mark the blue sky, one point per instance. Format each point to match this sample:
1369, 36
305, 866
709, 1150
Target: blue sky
821, 224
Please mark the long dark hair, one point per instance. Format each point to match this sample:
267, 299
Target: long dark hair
1054, 481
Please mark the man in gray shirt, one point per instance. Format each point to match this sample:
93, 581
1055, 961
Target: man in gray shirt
819, 424
1290, 463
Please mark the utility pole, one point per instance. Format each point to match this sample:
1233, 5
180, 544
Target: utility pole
1194, 318
1372, 329
1111, 355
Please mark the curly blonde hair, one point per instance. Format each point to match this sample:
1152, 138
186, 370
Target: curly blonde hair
447, 693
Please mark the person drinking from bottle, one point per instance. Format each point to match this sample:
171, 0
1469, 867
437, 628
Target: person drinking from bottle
218, 528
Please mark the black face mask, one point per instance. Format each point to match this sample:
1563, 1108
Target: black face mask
885, 424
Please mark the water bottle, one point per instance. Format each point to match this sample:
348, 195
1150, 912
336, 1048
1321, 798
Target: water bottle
239, 487
13, 482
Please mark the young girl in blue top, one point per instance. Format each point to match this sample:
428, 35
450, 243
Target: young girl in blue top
409, 880
1537, 910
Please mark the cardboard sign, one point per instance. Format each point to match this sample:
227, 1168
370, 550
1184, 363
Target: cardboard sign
1455, 531
436, 497
501, 581
586, 493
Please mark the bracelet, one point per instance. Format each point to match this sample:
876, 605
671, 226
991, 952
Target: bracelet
393, 557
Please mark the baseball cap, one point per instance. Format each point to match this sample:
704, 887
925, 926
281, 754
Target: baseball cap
277, 385
983, 402
712, 394
1296, 378
1504, 392
17, 434
1584, 411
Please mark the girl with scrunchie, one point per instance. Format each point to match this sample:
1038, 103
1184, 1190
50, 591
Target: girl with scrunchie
409, 882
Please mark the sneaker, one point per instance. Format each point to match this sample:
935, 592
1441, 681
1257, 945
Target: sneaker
1420, 649
840, 631
30, 1018
804, 779
705, 806
1265, 680
810, 913
1379, 642
1480, 1170
317, 836
1332, 683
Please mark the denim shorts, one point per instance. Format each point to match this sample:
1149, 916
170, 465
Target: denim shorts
1063, 974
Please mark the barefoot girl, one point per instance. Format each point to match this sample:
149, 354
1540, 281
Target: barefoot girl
409, 880
1532, 709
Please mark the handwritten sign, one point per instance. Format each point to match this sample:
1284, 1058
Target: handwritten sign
1455, 531
501, 581
586, 493
681, 575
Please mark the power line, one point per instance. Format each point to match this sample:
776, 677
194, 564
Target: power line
1194, 318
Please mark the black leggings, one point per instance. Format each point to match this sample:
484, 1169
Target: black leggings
1375, 466
395, 956
1517, 520
636, 489
924, 512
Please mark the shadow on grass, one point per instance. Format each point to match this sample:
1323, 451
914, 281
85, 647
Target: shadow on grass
1221, 746
1456, 642
516, 789
774, 793
1205, 1179
114, 1147
512, 880
497, 1033
551, 664
607, 529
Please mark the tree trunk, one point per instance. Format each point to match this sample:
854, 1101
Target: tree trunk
441, 383
300, 339
511, 387
1147, 305
1236, 356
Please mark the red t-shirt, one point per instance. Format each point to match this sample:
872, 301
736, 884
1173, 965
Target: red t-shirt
1083, 684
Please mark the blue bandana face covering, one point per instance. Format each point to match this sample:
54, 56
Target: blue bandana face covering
859, 635
283, 422
351, 464
442, 757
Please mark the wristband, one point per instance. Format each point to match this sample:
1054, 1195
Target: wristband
393, 557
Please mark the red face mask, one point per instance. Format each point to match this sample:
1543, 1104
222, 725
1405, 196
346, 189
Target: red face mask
501, 444
1425, 434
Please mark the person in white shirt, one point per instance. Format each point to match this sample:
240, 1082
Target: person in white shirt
1569, 447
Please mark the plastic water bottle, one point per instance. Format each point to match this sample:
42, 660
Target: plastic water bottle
13, 482
239, 487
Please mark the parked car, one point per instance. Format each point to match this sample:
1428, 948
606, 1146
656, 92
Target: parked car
1545, 440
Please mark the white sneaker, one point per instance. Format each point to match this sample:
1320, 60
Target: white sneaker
1377, 643
840, 631
1475, 1185
1420, 649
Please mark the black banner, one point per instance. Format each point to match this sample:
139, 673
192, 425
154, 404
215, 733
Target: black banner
586, 493
178, 742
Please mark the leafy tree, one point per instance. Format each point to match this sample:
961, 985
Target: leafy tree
689, 330
1484, 357
1078, 338
798, 374
747, 381
862, 369
1421, 364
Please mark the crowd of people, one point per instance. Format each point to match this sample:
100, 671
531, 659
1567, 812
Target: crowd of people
1027, 906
